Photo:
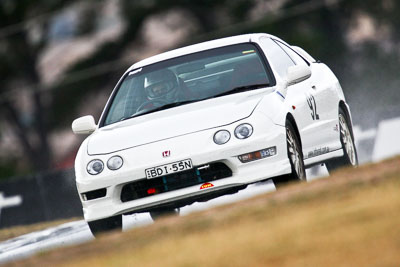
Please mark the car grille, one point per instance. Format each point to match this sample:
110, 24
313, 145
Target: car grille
198, 175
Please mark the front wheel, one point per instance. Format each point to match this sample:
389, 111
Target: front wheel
349, 157
295, 156
105, 225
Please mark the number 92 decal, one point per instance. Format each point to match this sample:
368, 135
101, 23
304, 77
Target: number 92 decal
313, 106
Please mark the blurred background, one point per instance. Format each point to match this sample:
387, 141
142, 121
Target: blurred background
60, 60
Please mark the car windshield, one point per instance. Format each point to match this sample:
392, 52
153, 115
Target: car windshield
186, 79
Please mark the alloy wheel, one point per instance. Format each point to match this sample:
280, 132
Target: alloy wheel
295, 154
347, 140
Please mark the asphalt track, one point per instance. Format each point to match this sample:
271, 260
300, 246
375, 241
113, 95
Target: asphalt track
78, 232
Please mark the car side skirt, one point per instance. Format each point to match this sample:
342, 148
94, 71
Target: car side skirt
322, 158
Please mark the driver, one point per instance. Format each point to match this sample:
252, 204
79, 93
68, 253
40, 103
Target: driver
162, 85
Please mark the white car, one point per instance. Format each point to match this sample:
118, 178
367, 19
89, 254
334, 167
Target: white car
206, 120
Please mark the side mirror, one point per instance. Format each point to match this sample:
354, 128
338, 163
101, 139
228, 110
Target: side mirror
296, 74
84, 125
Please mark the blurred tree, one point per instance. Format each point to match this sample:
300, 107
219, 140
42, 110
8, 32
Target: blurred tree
24, 28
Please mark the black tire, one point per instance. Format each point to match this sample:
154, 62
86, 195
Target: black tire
295, 156
349, 157
157, 214
106, 225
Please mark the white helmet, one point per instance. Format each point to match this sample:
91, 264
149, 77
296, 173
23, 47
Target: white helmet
162, 84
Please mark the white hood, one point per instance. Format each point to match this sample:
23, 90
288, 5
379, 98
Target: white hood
173, 122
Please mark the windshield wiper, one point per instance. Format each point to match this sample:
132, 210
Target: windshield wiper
166, 106
240, 89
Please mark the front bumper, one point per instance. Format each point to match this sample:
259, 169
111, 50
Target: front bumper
200, 148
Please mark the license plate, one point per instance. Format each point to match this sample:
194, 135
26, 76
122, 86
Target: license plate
169, 168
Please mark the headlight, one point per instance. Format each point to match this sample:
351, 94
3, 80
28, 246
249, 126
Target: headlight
114, 163
221, 137
243, 131
94, 167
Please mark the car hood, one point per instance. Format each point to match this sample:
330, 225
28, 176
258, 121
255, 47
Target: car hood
173, 122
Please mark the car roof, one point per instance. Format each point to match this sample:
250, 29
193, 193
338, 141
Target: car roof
245, 38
